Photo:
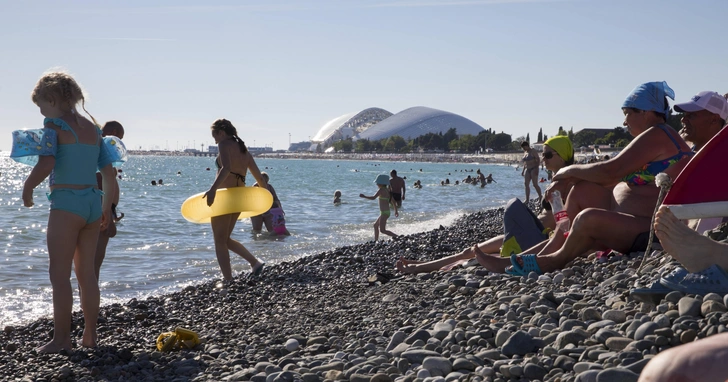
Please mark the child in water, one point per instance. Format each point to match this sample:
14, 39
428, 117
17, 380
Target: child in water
337, 197
71, 151
385, 201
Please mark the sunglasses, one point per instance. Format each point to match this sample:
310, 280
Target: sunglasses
548, 154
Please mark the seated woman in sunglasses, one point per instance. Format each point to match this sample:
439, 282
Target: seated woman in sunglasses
612, 202
558, 153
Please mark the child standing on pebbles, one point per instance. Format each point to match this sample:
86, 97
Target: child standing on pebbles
69, 149
385, 201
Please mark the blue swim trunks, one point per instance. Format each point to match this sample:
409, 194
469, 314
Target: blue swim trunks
85, 203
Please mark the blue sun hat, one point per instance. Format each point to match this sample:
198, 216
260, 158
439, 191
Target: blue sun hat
650, 96
382, 180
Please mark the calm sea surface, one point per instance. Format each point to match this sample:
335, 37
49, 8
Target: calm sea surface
156, 251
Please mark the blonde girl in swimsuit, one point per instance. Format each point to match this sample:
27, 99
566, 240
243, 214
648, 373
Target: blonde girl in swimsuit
530, 170
385, 201
233, 162
78, 211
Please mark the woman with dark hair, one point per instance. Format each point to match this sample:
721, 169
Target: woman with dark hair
233, 162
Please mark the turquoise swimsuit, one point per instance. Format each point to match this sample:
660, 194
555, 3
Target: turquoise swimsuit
647, 173
76, 164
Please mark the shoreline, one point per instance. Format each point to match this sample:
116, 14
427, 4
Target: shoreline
320, 317
505, 158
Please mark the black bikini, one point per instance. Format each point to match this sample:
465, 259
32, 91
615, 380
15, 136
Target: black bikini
239, 177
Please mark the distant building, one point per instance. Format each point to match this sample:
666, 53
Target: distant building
192, 151
212, 149
300, 146
375, 123
418, 121
260, 149
348, 125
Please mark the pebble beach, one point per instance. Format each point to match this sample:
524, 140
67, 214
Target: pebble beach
346, 315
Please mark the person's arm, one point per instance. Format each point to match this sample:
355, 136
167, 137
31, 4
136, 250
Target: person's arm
371, 197
222, 172
108, 179
276, 201
40, 171
643, 149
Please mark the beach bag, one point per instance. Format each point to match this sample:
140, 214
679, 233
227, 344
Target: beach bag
279, 221
521, 228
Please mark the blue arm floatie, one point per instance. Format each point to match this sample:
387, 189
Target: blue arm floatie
28, 145
112, 152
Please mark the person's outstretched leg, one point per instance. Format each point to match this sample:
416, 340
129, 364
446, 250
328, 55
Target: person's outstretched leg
694, 251
534, 180
85, 267
490, 246
221, 231
702, 360
62, 235
587, 195
239, 248
582, 196
376, 228
595, 229
101, 244
592, 229
383, 226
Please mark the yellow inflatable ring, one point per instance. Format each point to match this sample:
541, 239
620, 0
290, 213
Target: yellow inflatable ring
249, 201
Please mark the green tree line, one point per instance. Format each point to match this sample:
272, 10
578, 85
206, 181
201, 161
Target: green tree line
430, 142
487, 139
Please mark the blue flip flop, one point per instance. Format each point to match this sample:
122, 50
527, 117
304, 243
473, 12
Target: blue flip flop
713, 279
672, 280
529, 265
654, 294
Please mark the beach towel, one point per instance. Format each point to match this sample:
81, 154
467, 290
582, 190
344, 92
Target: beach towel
521, 228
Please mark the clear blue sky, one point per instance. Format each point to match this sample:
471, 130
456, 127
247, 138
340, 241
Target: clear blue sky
167, 69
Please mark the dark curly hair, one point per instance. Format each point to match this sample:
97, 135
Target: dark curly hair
229, 129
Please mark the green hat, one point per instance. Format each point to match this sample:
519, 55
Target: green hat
562, 145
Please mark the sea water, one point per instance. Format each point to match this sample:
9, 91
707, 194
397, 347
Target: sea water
157, 251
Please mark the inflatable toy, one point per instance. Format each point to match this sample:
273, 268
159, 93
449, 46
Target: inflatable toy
249, 201
29, 144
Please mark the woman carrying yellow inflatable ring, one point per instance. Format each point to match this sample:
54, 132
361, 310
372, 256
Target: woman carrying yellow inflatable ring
233, 163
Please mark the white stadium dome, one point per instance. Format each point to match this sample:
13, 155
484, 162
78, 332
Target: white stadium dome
349, 125
417, 121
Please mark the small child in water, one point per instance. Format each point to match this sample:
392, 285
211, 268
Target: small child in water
385, 201
337, 197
